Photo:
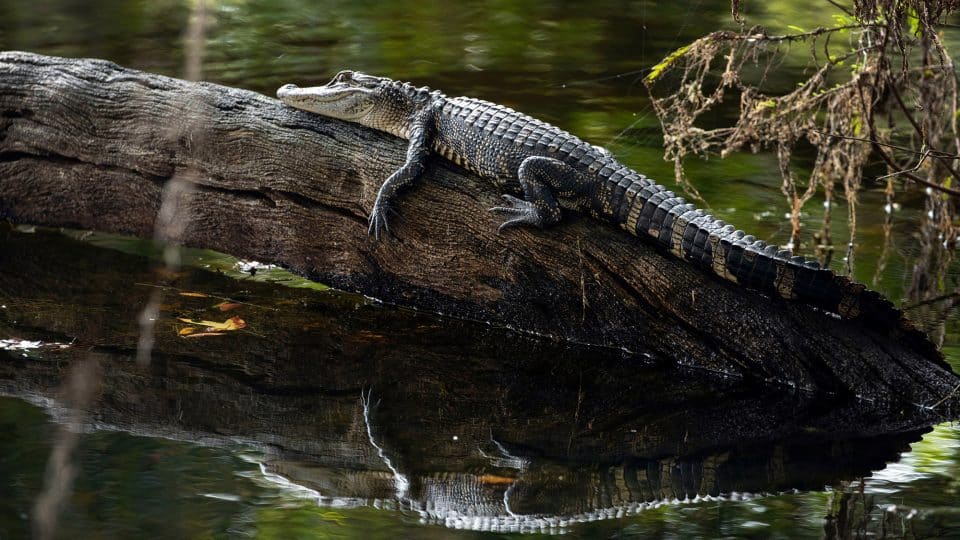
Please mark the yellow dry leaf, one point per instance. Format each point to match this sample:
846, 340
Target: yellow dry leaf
492, 479
366, 335
194, 294
205, 334
233, 323
187, 330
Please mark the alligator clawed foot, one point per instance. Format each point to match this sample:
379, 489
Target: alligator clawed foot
520, 212
378, 220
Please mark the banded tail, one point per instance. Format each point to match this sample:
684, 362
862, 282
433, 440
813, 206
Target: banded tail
646, 209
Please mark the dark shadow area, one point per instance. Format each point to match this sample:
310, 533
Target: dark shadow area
461, 423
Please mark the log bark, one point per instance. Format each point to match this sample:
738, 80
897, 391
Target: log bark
88, 144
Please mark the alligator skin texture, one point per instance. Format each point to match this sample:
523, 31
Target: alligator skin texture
556, 171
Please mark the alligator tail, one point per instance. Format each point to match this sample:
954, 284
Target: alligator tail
649, 210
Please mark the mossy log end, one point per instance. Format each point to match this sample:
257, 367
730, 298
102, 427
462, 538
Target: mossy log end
88, 144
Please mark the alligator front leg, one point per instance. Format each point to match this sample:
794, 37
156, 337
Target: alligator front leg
543, 179
421, 132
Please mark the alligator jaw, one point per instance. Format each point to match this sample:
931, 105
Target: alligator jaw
336, 100
291, 92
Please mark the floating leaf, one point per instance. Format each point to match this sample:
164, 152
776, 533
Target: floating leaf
187, 330
193, 294
227, 306
204, 334
366, 335
236, 323
233, 323
492, 479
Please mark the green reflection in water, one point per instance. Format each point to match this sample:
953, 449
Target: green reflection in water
213, 261
938, 453
134, 486
130, 486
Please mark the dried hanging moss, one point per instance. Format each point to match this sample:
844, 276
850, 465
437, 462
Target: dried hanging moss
881, 88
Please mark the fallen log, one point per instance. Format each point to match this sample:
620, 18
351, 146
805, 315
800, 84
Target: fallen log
88, 144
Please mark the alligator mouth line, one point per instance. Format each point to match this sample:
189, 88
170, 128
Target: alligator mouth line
323, 94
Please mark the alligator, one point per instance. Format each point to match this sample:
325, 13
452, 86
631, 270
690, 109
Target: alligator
554, 169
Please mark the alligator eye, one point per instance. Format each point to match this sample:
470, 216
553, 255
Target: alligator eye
343, 76
364, 80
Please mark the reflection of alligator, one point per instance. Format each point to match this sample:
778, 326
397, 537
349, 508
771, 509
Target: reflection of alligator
550, 496
555, 168
545, 500
491, 488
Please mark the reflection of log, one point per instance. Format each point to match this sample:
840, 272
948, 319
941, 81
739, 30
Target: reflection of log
571, 439
90, 145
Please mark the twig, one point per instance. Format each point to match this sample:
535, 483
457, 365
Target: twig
819, 31
915, 178
905, 171
877, 146
931, 152
841, 8
919, 130
934, 300
946, 397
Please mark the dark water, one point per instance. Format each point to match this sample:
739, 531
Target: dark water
331, 416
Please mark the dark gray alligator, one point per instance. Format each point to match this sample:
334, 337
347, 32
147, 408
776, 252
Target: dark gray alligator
555, 169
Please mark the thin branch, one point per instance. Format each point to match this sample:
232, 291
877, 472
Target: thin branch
906, 174
878, 148
949, 296
932, 153
906, 111
907, 171
841, 7
919, 130
946, 397
819, 31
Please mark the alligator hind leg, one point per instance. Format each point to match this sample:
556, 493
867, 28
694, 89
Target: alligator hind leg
543, 179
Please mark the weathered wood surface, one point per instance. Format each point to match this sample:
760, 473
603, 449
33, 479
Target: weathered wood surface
91, 145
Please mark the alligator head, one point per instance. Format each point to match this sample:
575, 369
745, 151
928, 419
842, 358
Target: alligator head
375, 102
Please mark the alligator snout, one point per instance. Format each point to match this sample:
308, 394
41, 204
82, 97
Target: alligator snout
286, 90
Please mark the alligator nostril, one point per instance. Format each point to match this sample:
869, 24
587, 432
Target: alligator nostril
286, 89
